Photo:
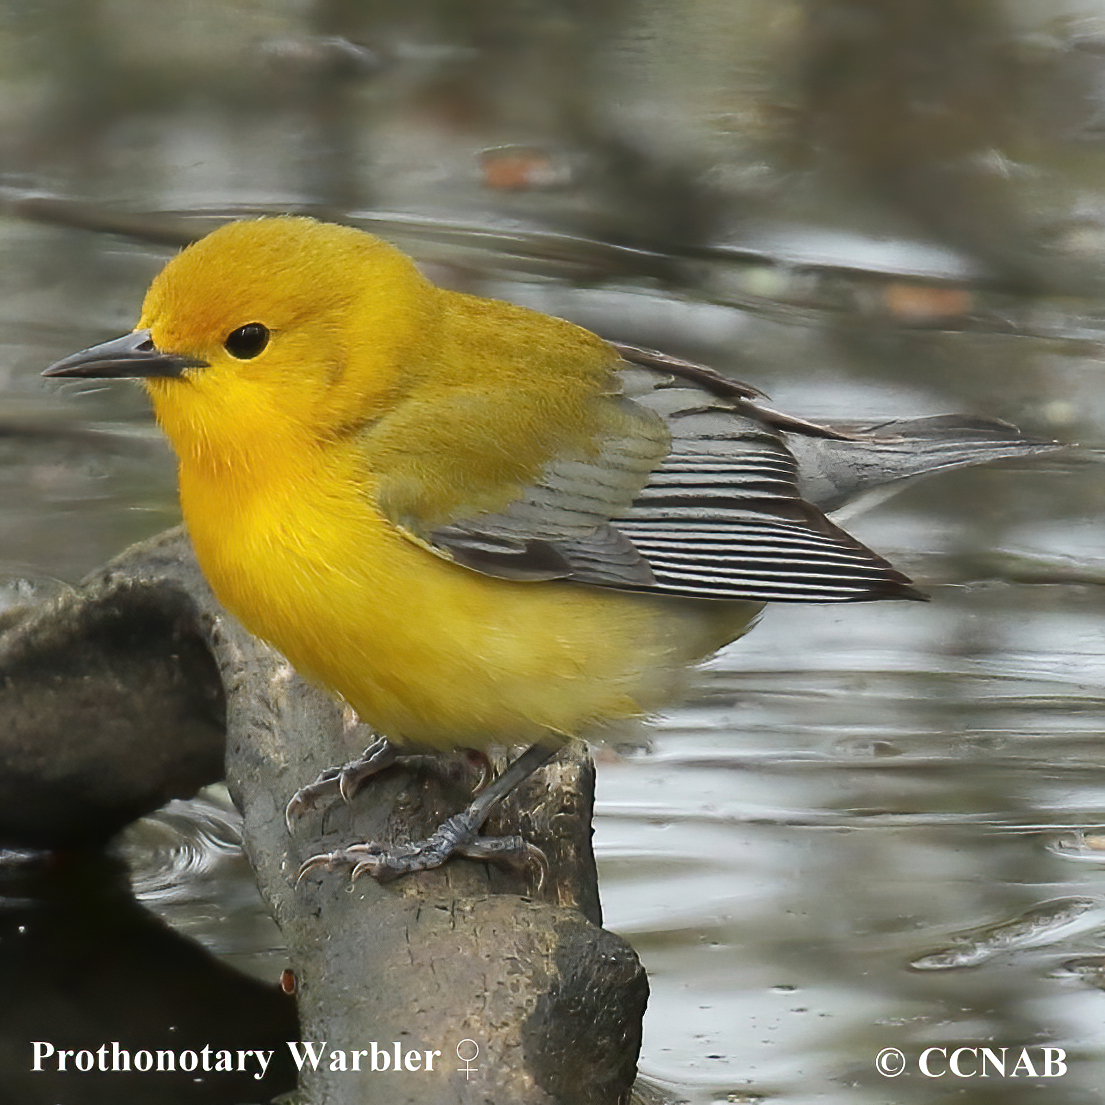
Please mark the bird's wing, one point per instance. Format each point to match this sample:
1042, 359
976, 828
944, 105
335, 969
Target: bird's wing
690, 490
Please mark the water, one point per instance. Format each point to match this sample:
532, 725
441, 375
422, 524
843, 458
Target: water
879, 839
870, 827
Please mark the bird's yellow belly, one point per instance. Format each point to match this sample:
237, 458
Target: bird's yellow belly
432, 653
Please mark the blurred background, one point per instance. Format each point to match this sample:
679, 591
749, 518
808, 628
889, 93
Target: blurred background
876, 826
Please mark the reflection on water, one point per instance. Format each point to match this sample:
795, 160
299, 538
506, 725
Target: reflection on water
1043, 925
86, 967
186, 865
869, 831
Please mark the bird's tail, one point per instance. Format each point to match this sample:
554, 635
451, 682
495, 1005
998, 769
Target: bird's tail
870, 461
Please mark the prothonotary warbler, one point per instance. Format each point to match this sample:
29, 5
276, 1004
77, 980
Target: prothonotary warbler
475, 523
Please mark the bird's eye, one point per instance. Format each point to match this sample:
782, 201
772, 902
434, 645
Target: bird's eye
247, 341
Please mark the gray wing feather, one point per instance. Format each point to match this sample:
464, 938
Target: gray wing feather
696, 495
560, 527
722, 516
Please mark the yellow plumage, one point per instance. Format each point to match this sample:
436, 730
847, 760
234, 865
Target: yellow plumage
476, 523
385, 398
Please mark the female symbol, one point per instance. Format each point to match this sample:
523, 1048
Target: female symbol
467, 1059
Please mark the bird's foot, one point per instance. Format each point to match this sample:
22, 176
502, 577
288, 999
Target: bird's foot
342, 781
458, 836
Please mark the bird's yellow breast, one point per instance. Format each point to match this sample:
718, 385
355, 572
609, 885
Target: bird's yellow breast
378, 407
427, 651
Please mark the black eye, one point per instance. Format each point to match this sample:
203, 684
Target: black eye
247, 341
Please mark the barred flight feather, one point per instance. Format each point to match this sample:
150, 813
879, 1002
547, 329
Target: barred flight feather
695, 493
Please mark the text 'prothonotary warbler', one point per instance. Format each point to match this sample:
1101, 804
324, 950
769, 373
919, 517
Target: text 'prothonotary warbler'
475, 523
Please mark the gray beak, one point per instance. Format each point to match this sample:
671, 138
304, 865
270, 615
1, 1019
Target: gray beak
132, 355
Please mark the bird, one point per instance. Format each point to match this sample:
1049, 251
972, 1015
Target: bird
476, 524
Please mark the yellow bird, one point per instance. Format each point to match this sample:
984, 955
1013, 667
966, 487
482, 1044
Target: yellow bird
475, 523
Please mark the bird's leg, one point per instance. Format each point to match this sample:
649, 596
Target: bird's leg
458, 835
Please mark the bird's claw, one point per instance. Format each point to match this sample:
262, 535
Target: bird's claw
309, 796
456, 836
343, 781
479, 759
363, 859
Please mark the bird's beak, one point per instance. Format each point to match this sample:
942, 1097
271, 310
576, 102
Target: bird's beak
132, 355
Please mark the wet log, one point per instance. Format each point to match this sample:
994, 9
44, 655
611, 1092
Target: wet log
485, 985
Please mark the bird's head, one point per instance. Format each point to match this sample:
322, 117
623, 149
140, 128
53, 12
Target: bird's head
274, 329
